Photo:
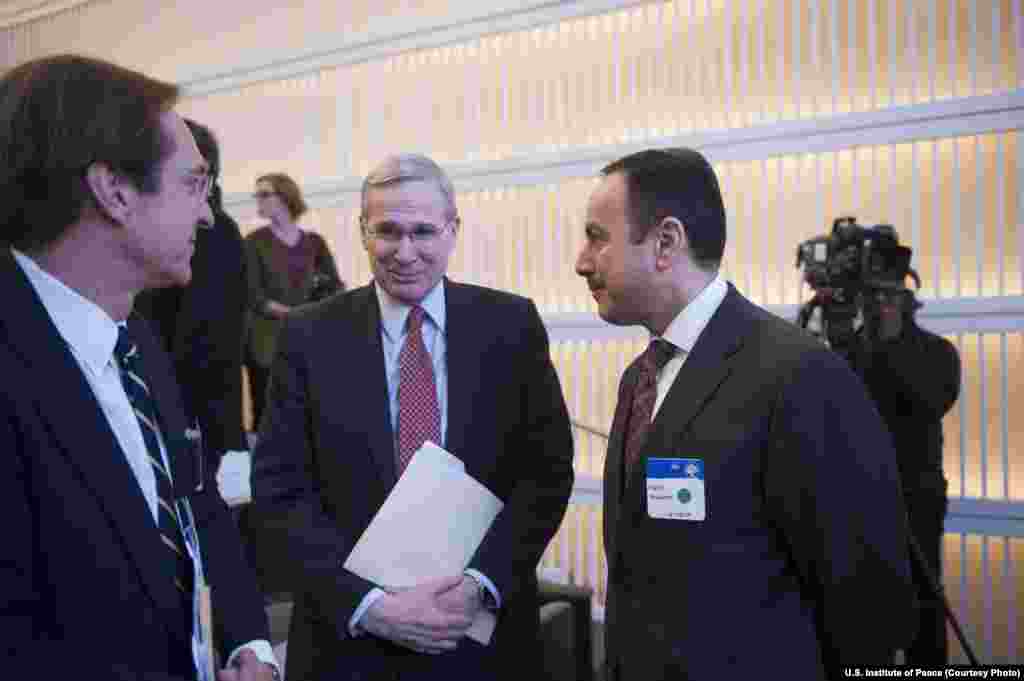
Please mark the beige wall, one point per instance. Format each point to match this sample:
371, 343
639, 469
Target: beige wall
902, 111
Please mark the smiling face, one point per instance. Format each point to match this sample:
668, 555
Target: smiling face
408, 236
618, 271
161, 226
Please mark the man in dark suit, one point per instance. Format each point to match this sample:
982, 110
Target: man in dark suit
359, 382
203, 324
113, 527
752, 512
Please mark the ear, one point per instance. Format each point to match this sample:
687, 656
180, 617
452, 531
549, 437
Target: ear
363, 235
111, 192
670, 242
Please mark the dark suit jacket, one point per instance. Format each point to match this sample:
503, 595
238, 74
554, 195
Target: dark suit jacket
802, 562
203, 327
325, 463
83, 590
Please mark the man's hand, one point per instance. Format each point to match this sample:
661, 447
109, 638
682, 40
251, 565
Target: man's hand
414, 619
463, 598
247, 667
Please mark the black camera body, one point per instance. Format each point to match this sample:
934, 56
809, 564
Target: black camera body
853, 258
845, 268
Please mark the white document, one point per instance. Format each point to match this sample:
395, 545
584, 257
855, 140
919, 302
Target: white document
429, 527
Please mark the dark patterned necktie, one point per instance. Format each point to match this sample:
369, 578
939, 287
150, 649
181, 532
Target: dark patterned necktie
178, 562
419, 418
645, 394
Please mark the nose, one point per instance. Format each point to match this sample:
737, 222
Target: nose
405, 250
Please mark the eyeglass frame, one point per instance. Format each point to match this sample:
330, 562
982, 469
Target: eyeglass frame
417, 240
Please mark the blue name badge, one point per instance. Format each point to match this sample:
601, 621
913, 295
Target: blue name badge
675, 489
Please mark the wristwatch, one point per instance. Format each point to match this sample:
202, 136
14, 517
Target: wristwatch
486, 597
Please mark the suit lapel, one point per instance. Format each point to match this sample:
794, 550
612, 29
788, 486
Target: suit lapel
368, 371
65, 400
462, 357
706, 367
613, 466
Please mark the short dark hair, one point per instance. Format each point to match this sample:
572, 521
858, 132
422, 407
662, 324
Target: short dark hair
206, 142
677, 183
288, 189
59, 115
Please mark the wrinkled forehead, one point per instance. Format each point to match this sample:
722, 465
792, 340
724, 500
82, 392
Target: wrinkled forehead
406, 202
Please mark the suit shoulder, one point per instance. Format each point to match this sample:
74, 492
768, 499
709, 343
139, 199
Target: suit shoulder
483, 295
348, 306
786, 345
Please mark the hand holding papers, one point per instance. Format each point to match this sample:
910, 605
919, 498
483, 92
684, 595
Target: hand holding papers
233, 478
429, 527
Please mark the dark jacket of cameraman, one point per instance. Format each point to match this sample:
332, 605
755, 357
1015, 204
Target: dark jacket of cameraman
914, 379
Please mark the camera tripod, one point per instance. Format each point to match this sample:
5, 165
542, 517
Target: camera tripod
939, 593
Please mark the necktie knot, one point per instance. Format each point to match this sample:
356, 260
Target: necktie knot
658, 353
415, 320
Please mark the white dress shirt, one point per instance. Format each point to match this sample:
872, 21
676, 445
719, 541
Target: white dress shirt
91, 335
684, 331
393, 315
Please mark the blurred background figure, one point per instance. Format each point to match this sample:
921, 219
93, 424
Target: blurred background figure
913, 375
286, 266
202, 325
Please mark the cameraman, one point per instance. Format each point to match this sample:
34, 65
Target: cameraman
914, 377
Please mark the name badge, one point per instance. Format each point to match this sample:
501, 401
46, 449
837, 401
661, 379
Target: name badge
675, 489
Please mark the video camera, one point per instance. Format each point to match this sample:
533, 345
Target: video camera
845, 269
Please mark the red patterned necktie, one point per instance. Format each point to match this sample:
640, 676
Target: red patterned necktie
645, 394
419, 418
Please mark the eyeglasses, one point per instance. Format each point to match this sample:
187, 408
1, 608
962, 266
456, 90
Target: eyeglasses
423, 234
263, 194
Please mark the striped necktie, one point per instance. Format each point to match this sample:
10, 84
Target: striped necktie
178, 562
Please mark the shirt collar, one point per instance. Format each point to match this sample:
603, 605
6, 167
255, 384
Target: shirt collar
686, 328
393, 313
85, 326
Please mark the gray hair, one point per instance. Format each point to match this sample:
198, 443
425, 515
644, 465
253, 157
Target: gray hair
409, 168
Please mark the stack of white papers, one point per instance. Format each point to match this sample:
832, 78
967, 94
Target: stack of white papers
429, 527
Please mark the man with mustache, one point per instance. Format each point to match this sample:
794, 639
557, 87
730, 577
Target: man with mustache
752, 511
359, 382
114, 527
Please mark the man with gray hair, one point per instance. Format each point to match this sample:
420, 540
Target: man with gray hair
359, 383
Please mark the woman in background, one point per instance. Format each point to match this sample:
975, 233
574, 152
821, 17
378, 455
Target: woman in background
286, 266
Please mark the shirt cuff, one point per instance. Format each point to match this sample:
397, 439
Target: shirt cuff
488, 584
354, 628
264, 653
